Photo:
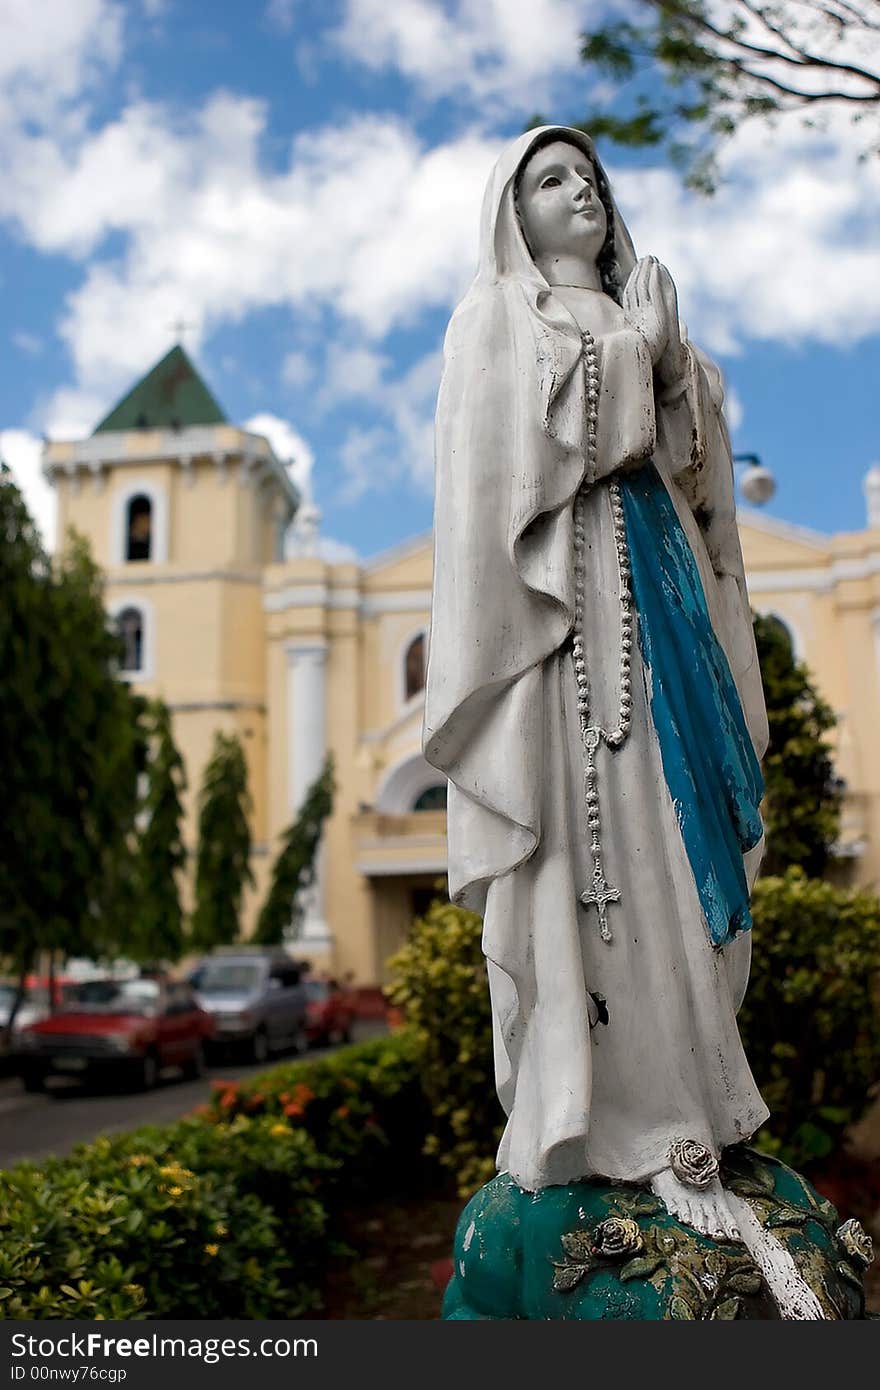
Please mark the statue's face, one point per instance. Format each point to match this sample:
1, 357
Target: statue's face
559, 206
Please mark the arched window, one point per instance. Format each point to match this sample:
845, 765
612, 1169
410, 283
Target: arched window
431, 799
139, 528
414, 667
130, 626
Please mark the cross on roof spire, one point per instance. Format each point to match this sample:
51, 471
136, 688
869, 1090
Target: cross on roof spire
179, 327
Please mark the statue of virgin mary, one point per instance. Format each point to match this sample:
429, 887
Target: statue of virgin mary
593, 693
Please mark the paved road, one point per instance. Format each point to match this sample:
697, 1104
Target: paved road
34, 1126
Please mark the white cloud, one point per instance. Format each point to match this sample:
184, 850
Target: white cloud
72, 412
507, 51
403, 445
336, 552
23, 452
291, 449
352, 372
289, 446
297, 369
369, 460
210, 236
50, 53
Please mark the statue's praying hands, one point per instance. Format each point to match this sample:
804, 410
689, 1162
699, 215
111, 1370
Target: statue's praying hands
650, 303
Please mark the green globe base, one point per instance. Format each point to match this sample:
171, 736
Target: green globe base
592, 1250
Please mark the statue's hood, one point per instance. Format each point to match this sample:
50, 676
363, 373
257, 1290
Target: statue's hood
503, 250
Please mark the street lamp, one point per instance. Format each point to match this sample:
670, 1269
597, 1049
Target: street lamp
757, 484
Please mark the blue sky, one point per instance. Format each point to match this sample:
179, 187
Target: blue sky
300, 183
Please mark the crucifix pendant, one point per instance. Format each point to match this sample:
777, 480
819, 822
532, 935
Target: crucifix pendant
599, 895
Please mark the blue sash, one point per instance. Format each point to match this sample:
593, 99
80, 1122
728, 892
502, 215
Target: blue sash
708, 759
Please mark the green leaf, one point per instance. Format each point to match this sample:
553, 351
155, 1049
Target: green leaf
641, 1268
727, 1311
681, 1310
568, 1276
745, 1281
761, 1176
789, 1216
579, 1245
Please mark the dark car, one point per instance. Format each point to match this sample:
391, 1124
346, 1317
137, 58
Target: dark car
120, 1030
256, 999
329, 1012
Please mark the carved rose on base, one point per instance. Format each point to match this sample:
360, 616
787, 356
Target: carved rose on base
856, 1241
617, 1236
693, 1163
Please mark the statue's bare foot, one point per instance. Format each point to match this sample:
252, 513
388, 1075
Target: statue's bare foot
706, 1209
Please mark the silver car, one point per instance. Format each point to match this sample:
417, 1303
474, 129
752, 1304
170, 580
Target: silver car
256, 999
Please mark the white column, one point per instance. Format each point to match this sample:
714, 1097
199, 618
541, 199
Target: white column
306, 749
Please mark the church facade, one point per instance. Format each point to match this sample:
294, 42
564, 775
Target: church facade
187, 515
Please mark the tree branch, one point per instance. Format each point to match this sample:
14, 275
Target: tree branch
688, 18
810, 98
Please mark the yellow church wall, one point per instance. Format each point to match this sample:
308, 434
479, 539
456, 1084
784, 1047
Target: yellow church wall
204, 517
402, 567
242, 655
769, 545
86, 508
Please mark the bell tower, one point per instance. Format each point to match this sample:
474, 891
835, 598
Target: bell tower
183, 511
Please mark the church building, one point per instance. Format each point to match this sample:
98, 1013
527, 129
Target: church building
188, 514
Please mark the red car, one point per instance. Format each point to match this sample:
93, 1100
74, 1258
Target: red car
124, 1030
329, 1012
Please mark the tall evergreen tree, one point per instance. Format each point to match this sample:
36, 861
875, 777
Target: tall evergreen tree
801, 807
68, 746
294, 868
158, 916
223, 862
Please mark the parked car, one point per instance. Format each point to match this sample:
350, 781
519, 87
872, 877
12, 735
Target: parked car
124, 1030
256, 999
330, 1010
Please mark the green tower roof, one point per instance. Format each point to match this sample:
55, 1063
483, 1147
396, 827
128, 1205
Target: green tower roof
171, 396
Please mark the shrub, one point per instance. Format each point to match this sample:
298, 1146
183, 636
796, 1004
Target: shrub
227, 1214
440, 983
362, 1106
178, 1221
809, 1022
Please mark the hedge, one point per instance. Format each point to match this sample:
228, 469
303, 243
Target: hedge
232, 1212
